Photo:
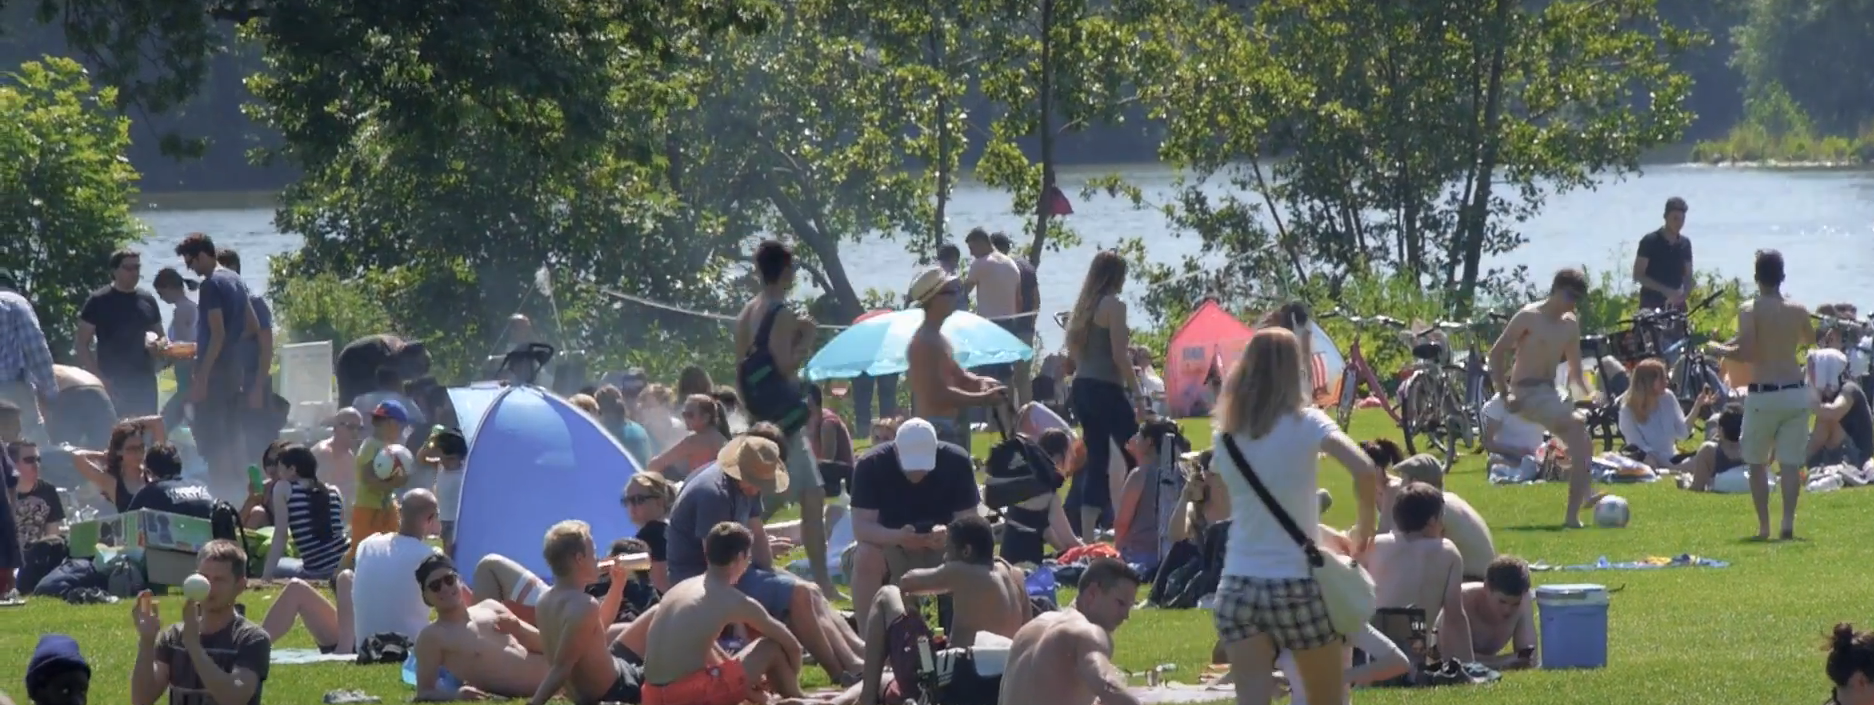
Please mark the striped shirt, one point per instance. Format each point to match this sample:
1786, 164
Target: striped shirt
24, 355
321, 557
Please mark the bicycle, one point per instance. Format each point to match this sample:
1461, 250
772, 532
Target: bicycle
1692, 370
1435, 405
1358, 371
1851, 337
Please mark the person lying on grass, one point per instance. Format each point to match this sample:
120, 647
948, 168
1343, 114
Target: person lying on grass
1502, 613
495, 653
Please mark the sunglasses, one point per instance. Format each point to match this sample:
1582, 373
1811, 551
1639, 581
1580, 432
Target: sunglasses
29, 460
633, 500
437, 584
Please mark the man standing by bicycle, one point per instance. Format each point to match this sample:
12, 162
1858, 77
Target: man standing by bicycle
1663, 265
1541, 336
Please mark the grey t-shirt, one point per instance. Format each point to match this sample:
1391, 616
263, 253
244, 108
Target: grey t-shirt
708, 498
223, 291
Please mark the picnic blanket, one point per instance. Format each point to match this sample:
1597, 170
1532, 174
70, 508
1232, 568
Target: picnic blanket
1683, 560
1168, 693
296, 657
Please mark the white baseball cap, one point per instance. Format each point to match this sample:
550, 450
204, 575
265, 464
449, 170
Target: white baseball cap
916, 445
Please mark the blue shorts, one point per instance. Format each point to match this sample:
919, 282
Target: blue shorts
775, 591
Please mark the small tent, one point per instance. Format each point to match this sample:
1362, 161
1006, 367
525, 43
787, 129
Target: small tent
1212, 337
534, 461
1209, 337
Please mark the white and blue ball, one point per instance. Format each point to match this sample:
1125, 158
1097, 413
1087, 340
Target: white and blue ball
1612, 512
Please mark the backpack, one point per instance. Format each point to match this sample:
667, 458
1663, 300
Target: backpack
1018, 470
42, 557
767, 394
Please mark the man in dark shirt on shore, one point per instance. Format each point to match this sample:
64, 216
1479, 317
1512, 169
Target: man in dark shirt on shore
1663, 265
121, 318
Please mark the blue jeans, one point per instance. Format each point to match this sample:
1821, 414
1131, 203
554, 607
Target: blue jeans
862, 395
1106, 420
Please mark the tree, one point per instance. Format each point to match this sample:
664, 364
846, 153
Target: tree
1811, 52
809, 132
1060, 66
1404, 125
65, 188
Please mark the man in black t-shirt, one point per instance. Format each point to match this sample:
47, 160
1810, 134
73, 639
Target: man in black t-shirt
1663, 265
168, 491
905, 492
120, 318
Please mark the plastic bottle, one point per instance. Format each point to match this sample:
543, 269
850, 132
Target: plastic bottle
255, 480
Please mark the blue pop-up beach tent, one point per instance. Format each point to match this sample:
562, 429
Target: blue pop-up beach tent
534, 461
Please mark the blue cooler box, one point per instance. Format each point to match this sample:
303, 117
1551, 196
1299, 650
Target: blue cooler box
1574, 625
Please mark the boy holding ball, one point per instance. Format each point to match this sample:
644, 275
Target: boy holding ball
375, 510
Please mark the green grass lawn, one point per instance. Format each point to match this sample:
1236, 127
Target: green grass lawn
1750, 633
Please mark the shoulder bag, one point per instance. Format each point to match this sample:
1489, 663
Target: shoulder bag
1345, 586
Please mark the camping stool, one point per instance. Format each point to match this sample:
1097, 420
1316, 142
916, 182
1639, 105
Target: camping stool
1406, 627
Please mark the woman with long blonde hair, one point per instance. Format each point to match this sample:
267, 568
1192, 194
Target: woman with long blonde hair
1650, 417
1268, 601
1105, 388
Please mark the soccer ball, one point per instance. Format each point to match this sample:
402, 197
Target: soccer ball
392, 458
1612, 512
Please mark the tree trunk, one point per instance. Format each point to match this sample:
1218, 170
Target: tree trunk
943, 140
1047, 131
825, 248
1486, 167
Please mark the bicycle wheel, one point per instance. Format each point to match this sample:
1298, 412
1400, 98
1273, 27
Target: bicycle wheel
1349, 391
1417, 410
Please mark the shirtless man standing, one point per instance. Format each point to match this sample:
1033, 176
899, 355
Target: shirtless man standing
1502, 613
790, 341
1770, 329
584, 658
1416, 568
988, 595
489, 649
1066, 657
1541, 336
688, 667
939, 386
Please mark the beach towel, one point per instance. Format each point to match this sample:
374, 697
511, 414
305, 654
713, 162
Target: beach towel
298, 657
1683, 560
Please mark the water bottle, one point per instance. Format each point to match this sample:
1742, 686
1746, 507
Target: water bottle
255, 480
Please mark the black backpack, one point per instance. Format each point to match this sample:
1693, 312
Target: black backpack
42, 557
1018, 469
767, 393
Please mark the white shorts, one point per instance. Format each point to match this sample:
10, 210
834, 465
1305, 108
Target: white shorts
1776, 425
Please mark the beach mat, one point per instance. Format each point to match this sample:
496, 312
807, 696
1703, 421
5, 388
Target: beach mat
296, 657
1684, 560
1170, 693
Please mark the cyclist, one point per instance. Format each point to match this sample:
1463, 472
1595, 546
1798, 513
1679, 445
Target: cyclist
1662, 266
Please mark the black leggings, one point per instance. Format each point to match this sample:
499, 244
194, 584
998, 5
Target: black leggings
1105, 420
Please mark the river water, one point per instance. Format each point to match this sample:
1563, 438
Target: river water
1822, 221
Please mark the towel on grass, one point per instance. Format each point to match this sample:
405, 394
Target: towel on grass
1683, 560
294, 657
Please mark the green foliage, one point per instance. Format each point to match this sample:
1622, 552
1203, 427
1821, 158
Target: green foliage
402, 300
1775, 130
65, 188
1059, 67
1414, 150
1810, 53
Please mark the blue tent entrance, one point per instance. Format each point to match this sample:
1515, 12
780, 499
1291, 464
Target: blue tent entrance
534, 461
